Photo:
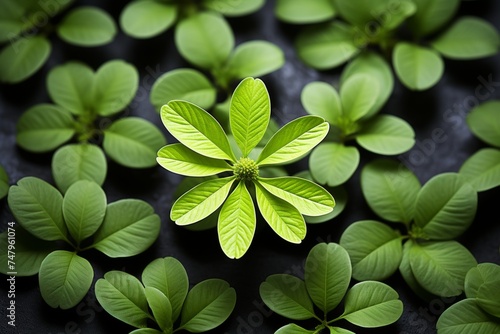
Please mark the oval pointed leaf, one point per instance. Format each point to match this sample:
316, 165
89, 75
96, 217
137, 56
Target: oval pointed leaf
208, 304
358, 94
75, 162
372, 304
304, 11
201, 201
161, 308
168, 276
408, 275
122, 296
23, 58
129, 228
84, 207
37, 206
485, 272
440, 267
446, 206
44, 127
183, 84
249, 113
488, 297
294, 140
287, 296
431, 15
309, 198
386, 135
417, 67
322, 99
484, 120
482, 169
133, 142
333, 163
204, 39
237, 222
327, 275
390, 190
64, 278
197, 129
87, 26
293, 329
374, 248
466, 316
145, 19
468, 38
255, 59
234, 8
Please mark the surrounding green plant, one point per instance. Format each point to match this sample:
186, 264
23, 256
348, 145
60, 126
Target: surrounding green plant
204, 150
27, 28
479, 312
482, 169
82, 220
327, 276
165, 299
4, 182
353, 114
84, 104
380, 24
432, 215
149, 18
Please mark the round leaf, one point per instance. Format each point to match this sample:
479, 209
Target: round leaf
64, 278
431, 15
254, 59
304, 11
417, 67
145, 19
466, 316
133, 142
333, 163
482, 169
87, 26
358, 94
484, 121
321, 99
485, 272
234, 8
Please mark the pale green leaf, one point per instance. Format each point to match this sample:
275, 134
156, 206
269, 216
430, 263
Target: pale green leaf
122, 296
129, 228
333, 163
446, 206
208, 304
363, 13
390, 190
322, 99
204, 39
431, 15
75, 162
308, 197
201, 201
87, 26
287, 296
23, 58
374, 248
484, 122
358, 95
84, 207
482, 169
372, 304
237, 222
133, 142
183, 84
234, 8
485, 272
304, 11
386, 135
64, 279
283, 217
249, 113
408, 275
294, 140
37, 206
254, 59
294, 329
326, 46
145, 19
418, 68
468, 38
168, 276
327, 275
44, 127
161, 308
466, 316
440, 267
339, 330
197, 129
488, 297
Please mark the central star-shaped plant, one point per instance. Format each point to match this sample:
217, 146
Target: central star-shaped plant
205, 150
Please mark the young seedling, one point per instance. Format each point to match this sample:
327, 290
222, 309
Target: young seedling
82, 219
479, 312
431, 217
353, 114
164, 299
327, 276
482, 169
327, 43
204, 150
28, 28
84, 102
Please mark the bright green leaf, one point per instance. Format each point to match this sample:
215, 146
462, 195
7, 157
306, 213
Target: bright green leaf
145, 19
484, 122
304, 11
358, 94
488, 297
431, 15
466, 316
234, 8
485, 272
482, 169
255, 59
333, 163
408, 275
322, 99
146, 331
161, 308
294, 329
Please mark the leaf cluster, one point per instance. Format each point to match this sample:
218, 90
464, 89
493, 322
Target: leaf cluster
326, 283
56, 228
164, 302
